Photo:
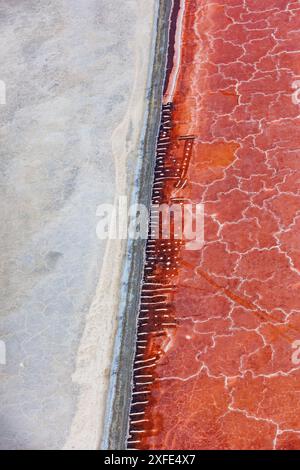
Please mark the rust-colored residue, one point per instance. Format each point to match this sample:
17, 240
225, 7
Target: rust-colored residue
218, 349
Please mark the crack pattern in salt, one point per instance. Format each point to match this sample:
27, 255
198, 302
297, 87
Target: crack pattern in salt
215, 370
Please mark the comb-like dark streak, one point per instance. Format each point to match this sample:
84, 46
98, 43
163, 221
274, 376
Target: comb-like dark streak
161, 264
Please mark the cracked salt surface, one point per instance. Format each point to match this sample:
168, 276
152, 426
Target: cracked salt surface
226, 379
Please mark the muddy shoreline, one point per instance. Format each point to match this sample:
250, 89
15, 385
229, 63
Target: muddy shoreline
116, 428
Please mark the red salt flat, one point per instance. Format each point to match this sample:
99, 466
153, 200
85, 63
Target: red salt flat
221, 370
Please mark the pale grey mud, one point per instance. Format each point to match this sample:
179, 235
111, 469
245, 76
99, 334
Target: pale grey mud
77, 76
